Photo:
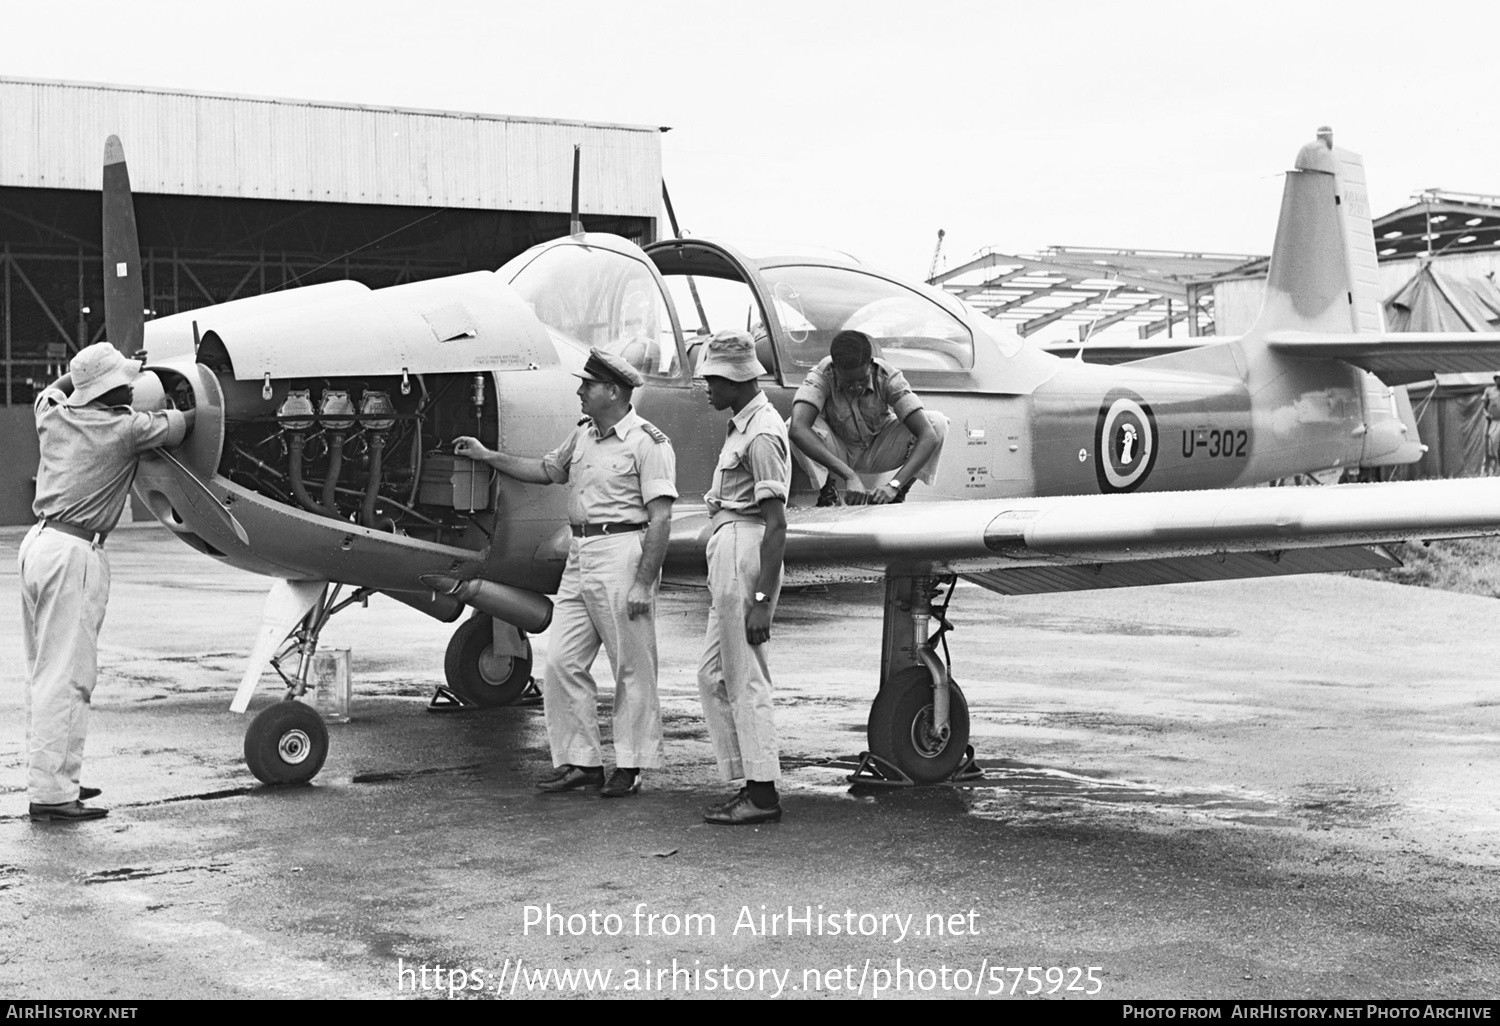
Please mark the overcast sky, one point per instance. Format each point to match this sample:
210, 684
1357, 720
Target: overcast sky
868, 127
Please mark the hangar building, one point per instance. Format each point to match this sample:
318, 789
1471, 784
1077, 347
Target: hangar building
238, 195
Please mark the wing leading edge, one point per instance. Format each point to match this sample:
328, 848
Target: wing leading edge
1067, 543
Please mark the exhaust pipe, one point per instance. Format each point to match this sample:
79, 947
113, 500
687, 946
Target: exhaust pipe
516, 606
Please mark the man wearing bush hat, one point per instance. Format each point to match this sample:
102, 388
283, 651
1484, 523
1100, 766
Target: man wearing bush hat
90, 440
623, 474
748, 505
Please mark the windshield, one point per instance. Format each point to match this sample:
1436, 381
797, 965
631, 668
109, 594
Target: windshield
590, 297
909, 330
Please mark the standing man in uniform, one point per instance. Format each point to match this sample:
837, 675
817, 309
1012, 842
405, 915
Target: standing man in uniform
1491, 401
90, 440
748, 506
855, 414
624, 475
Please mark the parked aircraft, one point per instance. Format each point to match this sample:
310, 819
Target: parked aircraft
320, 456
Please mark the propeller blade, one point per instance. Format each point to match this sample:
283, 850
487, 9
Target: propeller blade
198, 489
124, 298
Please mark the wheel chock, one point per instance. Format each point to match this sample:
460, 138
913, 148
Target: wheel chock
445, 701
969, 769
532, 695
873, 771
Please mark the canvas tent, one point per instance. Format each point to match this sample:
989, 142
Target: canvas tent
1450, 416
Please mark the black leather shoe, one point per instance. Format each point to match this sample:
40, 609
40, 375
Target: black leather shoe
709, 810
67, 812
85, 793
622, 784
574, 779
742, 812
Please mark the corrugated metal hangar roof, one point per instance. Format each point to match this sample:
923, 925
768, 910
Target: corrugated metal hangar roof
52, 137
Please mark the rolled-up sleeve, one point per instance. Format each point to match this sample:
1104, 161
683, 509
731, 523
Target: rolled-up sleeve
658, 472
814, 389
555, 463
163, 428
899, 396
766, 459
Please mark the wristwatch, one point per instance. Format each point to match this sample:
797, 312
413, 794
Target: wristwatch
895, 483
760, 596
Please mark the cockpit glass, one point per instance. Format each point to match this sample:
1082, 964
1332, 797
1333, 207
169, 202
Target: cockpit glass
590, 297
909, 330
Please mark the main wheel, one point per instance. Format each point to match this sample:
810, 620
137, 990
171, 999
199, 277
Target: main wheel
286, 744
900, 729
476, 674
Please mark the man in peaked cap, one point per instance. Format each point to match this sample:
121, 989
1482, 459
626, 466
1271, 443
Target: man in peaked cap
90, 441
623, 473
748, 505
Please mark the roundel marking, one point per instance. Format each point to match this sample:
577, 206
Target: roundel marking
1124, 442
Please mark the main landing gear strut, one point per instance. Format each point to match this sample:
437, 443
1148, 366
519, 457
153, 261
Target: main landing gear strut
919, 723
287, 742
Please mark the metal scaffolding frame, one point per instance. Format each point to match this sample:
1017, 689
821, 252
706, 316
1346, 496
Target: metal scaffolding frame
1089, 290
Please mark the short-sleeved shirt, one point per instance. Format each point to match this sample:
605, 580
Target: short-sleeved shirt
88, 457
615, 474
856, 420
753, 464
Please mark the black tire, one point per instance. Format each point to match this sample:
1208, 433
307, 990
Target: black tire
469, 676
286, 744
900, 723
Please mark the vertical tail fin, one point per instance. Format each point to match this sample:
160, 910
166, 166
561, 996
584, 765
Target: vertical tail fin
1323, 274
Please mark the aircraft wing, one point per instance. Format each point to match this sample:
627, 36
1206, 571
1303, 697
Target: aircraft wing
1069, 543
1398, 357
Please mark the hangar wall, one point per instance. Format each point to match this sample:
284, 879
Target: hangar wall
236, 196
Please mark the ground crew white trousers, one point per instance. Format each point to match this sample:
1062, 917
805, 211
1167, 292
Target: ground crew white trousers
886, 451
734, 679
64, 589
590, 609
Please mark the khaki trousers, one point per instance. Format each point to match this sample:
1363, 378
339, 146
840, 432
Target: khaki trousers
734, 679
590, 610
64, 589
886, 452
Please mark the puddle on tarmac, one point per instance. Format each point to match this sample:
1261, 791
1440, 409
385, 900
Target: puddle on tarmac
1007, 787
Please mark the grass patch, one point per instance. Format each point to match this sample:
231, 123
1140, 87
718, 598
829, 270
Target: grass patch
1467, 565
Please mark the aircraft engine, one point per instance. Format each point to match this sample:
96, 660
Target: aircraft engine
365, 450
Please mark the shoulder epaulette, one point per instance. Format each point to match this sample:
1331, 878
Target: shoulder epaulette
656, 434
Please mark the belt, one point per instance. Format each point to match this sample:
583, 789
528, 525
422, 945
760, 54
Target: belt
594, 530
92, 537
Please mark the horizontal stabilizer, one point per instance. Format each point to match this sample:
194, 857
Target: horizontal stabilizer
1397, 357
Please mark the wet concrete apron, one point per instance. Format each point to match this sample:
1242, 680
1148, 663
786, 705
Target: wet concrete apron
1269, 789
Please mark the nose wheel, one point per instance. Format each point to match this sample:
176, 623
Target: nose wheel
286, 743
